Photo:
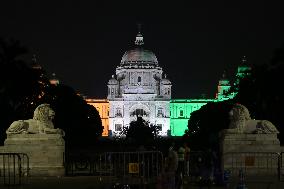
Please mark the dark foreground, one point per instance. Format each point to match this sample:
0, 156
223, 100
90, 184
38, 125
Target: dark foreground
92, 182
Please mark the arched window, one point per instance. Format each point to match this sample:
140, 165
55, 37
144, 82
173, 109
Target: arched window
118, 112
139, 79
139, 113
160, 112
167, 91
181, 113
118, 127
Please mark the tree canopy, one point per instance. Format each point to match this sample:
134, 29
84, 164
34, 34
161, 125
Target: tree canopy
140, 132
23, 88
205, 124
80, 121
262, 92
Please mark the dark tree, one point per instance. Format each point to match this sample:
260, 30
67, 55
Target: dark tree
141, 133
80, 121
262, 93
205, 124
21, 87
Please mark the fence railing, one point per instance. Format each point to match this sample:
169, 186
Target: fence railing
14, 168
281, 167
130, 167
253, 163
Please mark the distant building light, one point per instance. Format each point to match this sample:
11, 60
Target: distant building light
54, 80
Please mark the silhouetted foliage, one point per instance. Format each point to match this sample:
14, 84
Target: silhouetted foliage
262, 93
80, 121
205, 124
23, 88
141, 133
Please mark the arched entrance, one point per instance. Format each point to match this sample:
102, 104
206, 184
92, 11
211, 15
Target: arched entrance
139, 110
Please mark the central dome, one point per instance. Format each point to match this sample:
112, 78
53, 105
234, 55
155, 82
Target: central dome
139, 56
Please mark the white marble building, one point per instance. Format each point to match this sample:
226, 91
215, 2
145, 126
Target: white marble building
139, 88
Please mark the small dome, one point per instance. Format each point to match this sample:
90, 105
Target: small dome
112, 81
165, 81
139, 56
224, 80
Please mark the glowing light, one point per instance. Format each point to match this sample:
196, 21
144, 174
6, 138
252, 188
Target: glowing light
178, 122
102, 106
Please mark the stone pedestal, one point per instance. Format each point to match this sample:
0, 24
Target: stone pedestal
45, 152
254, 153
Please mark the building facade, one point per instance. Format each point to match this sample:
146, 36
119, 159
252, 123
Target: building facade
181, 110
102, 106
139, 88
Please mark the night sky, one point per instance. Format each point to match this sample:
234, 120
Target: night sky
83, 41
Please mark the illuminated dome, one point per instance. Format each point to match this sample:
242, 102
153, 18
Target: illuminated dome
139, 55
166, 81
112, 81
224, 80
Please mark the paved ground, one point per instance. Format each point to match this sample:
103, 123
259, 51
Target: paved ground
91, 182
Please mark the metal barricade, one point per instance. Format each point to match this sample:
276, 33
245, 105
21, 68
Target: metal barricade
254, 164
14, 168
196, 160
128, 167
281, 167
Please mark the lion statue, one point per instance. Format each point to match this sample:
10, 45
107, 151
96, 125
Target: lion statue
241, 122
41, 123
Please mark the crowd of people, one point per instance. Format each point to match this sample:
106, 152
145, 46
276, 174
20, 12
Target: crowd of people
177, 167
